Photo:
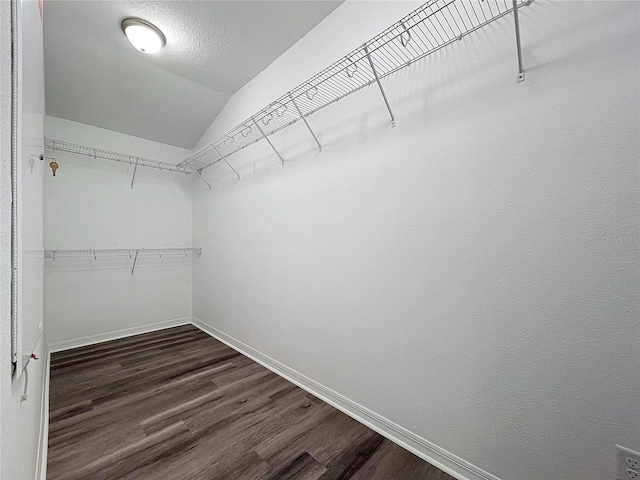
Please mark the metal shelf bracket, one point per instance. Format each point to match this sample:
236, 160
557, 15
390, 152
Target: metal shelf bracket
305, 122
375, 74
197, 172
134, 262
224, 159
267, 139
516, 18
134, 172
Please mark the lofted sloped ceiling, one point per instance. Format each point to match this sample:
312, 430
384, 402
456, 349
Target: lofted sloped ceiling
93, 75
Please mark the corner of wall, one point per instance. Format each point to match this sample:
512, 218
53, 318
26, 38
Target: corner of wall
436, 456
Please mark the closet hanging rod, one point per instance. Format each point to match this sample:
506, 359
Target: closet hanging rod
121, 252
429, 28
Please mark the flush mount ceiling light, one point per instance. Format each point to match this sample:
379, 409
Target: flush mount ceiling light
143, 35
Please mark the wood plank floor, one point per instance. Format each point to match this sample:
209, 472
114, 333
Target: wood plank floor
178, 404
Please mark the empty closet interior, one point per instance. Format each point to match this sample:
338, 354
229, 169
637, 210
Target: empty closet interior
425, 215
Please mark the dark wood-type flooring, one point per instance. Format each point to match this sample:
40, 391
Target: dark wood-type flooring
177, 404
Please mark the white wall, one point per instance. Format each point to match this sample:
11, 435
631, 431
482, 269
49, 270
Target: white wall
472, 274
30, 183
90, 205
20, 421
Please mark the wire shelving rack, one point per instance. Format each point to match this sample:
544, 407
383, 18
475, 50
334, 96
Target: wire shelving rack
429, 28
135, 161
132, 253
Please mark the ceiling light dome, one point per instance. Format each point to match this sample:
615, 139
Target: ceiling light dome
143, 35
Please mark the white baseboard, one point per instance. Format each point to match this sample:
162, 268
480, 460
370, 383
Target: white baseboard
43, 444
444, 460
127, 332
424, 449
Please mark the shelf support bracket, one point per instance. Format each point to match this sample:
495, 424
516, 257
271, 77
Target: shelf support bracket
306, 123
201, 178
197, 172
133, 179
375, 74
516, 18
134, 262
224, 159
267, 139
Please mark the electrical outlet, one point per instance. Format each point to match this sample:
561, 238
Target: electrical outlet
628, 464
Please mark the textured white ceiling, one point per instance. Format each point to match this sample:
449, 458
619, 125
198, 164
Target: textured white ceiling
93, 74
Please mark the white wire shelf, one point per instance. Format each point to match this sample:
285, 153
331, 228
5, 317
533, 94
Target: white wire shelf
131, 252
98, 153
58, 145
429, 28
122, 253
